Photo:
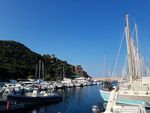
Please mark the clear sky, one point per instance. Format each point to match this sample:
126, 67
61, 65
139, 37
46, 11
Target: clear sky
78, 31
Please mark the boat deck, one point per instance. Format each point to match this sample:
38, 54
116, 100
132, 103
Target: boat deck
129, 109
113, 108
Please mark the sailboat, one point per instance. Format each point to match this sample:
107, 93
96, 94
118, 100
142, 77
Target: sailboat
41, 69
136, 91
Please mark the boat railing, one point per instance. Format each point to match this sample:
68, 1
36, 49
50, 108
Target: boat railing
131, 92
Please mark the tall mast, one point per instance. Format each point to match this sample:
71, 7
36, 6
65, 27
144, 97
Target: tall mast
63, 71
134, 58
36, 71
104, 73
39, 69
128, 41
138, 57
43, 69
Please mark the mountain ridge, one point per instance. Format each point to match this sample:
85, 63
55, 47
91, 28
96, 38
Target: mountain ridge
18, 61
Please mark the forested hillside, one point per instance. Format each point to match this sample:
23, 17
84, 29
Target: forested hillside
18, 61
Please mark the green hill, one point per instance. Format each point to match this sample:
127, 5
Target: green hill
18, 61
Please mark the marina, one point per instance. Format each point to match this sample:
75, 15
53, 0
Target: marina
36, 95
83, 100
82, 94
74, 56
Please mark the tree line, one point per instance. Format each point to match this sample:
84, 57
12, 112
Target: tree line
19, 62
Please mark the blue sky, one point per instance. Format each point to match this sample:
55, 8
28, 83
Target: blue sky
78, 31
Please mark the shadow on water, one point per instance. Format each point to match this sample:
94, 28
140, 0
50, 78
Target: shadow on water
75, 100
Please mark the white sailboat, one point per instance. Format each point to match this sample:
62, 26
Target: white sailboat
137, 89
113, 108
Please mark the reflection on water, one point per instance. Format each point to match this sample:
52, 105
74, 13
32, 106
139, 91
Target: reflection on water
75, 100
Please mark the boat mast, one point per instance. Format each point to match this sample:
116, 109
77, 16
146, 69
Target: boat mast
63, 71
36, 71
134, 58
104, 73
43, 69
39, 69
128, 42
138, 57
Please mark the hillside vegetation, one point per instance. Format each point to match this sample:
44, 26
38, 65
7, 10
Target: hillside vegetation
19, 62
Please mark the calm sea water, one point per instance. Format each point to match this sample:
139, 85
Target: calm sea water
75, 100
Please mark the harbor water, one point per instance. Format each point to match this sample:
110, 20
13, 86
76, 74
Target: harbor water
75, 100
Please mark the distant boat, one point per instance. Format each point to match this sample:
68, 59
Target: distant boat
67, 82
34, 98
